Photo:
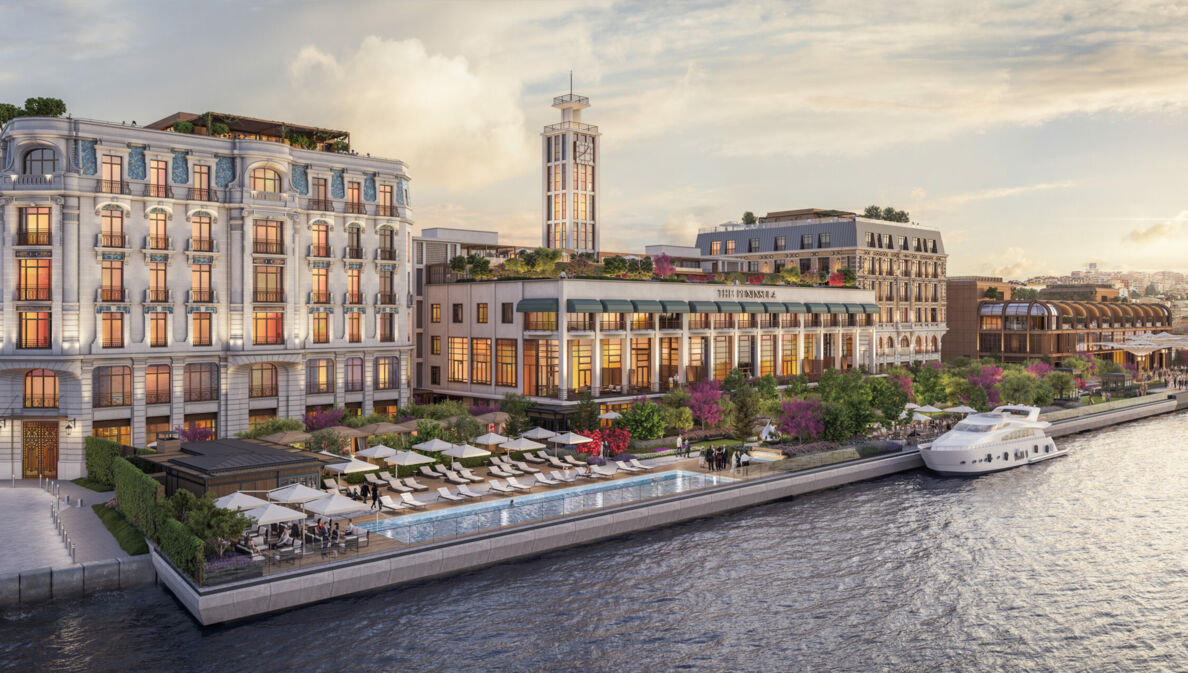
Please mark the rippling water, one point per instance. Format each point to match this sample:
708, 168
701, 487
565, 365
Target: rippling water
1075, 564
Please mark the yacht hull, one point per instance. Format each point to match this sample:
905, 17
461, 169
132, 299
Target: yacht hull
975, 461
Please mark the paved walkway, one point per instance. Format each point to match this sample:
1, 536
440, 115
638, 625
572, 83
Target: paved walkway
24, 516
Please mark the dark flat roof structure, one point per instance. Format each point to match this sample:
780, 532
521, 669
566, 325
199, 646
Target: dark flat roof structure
226, 455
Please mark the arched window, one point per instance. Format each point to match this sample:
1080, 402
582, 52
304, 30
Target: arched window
41, 389
41, 161
264, 381
904, 343
265, 180
319, 376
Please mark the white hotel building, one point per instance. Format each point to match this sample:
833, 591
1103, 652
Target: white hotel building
155, 279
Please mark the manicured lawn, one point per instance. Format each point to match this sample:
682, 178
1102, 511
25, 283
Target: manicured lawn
97, 486
131, 540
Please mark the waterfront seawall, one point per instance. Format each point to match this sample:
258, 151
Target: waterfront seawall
39, 585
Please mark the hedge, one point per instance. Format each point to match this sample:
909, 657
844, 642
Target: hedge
183, 548
137, 495
100, 454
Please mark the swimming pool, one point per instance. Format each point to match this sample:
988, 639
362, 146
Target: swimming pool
523, 508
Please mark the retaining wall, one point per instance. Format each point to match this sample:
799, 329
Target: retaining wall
81, 579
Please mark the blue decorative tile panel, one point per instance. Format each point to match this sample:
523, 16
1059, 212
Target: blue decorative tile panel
354, 309
158, 309
300, 179
337, 190
387, 267
321, 309
321, 265
202, 309
86, 157
112, 256
136, 169
108, 308
387, 309
204, 260
181, 167
224, 171
354, 265
369, 187
158, 258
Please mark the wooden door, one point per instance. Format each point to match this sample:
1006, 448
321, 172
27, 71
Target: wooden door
39, 442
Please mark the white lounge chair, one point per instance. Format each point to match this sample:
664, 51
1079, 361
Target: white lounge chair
627, 468
430, 473
455, 478
500, 487
561, 477
523, 467
465, 490
547, 481
573, 461
385, 475
395, 485
444, 494
467, 473
373, 480
533, 459
584, 473
412, 483
412, 502
604, 470
544, 457
330, 485
499, 471
558, 464
511, 481
635, 463
387, 502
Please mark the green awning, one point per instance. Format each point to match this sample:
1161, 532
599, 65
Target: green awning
795, 307
542, 305
703, 307
854, 308
617, 306
870, 308
752, 307
774, 307
647, 306
675, 306
583, 306
816, 308
729, 307
837, 308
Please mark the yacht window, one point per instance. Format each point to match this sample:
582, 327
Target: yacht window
1005, 455
989, 458
966, 426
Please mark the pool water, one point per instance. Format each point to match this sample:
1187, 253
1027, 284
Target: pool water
427, 526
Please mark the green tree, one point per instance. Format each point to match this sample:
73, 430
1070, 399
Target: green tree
849, 278
1079, 364
614, 266
928, 385
428, 429
992, 293
735, 380
458, 264
748, 218
480, 268
850, 390
1042, 393
1016, 387
797, 386
643, 420
218, 528
767, 388
586, 413
837, 422
790, 274
888, 398
1059, 381
327, 440
745, 413
677, 419
9, 111
516, 406
44, 107
1105, 366
272, 425
676, 397
1023, 294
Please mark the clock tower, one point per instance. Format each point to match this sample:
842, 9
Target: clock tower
570, 183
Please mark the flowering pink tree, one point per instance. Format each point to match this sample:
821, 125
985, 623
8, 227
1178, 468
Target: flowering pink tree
987, 379
803, 419
703, 402
905, 384
1039, 369
662, 265
323, 418
194, 433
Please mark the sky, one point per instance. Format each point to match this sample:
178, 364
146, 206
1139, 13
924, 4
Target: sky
1036, 136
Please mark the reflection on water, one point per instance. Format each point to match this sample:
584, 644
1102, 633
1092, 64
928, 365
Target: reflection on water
1069, 565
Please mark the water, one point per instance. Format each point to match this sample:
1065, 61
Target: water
523, 508
1076, 564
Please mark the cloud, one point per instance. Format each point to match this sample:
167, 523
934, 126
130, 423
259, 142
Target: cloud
1155, 232
455, 125
1003, 192
1013, 264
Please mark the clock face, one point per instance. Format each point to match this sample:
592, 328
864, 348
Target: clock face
584, 151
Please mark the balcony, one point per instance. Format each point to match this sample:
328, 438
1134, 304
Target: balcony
112, 294
268, 296
571, 126
34, 294
266, 390
113, 399
111, 241
261, 195
319, 297
157, 397
158, 296
203, 194
202, 296
387, 211
158, 191
351, 252
325, 205
386, 254
319, 251
387, 298
355, 208
202, 393
41, 181
34, 238
41, 400
34, 342
112, 187
352, 298
268, 247
158, 243
202, 244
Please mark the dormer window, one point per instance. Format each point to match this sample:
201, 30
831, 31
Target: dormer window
41, 161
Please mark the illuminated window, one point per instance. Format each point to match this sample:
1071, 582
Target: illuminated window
158, 230
113, 330
202, 382
111, 231
113, 386
385, 373
505, 362
480, 360
268, 328
459, 360
354, 374
200, 234
321, 241
265, 180
434, 312
435, 345
41, 389
715, 247
387, 326
34, 279
118, 431
34, 226
158, 329
269, 280
319, 376
158, 384
354, 327
267, 237
480, 315
200, 333
321, 327
158, 178
729, 247
263, 380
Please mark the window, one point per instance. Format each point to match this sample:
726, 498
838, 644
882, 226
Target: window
480, 314
41, 389
354, 203
459, 360
113, 330
507, 312
320, 327
715, 247
354, 327
268, 328
730, 247
262, 380
321, 194
354, 292
354, 374
265, 180
113, 174
435, 375
200, 240
870, 239
753, 245
480, 360
34, 226
200, 329
505, 362
202, 382
435, 345
34, 279
387, 326
434, 312
823, 240
111, 232
158, 178
40, 162
385, 373
209, 422
157, 289
201, 189
112, 279
267, 237
385, 201
157, 384
806, 241
781, 243
321, 241
545, 321
269, 281
354, 249
319, 376
113, 386
158, 329
457, 313
320, 284
200, 283
387, 243
118, 431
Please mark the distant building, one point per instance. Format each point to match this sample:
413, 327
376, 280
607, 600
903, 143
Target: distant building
1018, 331
1081, 292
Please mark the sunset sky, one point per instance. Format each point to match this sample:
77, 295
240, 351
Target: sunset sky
1036, 136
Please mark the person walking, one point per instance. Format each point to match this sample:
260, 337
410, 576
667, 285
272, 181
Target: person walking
375, 497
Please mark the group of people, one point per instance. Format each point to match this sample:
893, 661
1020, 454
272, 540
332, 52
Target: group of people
718, 459
368, 493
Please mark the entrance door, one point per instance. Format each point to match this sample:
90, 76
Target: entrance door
39, 441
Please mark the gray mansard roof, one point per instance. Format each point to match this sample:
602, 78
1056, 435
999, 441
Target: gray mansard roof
844, 232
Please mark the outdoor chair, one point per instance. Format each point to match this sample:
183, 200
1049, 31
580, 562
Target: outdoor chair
511, 481
444, 494
499, 471
542, 455
455, 478
523, 467
584, 473
373, 480
329, 485
560, 477
533, 459
635, 463
542, 479
386, 502
499, 487
412, 483
605, 471
558, 464
465, 490
467, 473
573, 461
396, 485
627, 468
407, 499
430, 473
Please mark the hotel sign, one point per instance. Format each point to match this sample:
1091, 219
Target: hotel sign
745, 293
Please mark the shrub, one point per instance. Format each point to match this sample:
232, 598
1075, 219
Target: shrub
327, 440
182, 547
804, 449
595, 460
193, 433
483, 408
644, 420
137, 494
323, 418
130, 539
100, 455
271, 426
624, 456
183, 127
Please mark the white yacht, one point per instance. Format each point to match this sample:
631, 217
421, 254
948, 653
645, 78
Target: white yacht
1007, 437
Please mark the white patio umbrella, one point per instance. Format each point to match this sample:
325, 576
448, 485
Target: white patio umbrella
269, 514
961, 410
377, 451
903, 414
920, 418
521, 444
333, 505
295, 494
610, 415
538, 433
911, 405
489, 439
409, 458
461, 451
569, 438
927, 409
238, 500
433, 445
351, 466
